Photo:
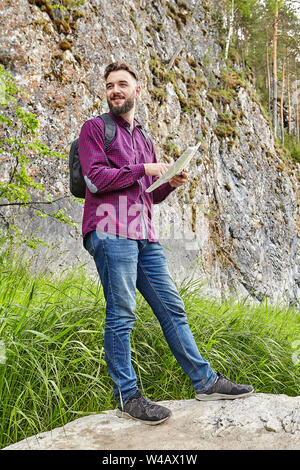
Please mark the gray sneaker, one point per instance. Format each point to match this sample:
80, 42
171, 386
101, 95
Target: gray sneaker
224, 389
141, 409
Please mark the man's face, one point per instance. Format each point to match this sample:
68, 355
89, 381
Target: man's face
121, 92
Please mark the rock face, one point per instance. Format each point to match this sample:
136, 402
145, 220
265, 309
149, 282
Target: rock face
236, 223
260, 421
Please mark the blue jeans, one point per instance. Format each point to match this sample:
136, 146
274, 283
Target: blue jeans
123, 265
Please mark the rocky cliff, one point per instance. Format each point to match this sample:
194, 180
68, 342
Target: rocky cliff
236, 223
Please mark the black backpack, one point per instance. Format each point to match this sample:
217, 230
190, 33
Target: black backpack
77, 183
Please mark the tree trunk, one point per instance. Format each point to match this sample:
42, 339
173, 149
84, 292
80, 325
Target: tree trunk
296, 104
275, 27
231, 20
268, 70
288, 84
281, 98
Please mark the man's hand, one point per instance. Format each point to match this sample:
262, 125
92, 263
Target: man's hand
159, 169
179, 180
156, 169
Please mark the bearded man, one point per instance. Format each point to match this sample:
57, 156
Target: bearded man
118, 232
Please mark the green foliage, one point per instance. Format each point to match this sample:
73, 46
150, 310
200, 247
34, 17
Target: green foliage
52, 364
20, 146
251, 48
292, 147
273, 5
62, 5
246, 8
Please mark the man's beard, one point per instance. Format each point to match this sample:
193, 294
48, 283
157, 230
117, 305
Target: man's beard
124, 108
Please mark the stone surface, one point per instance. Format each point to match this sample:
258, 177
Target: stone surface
236, 223
261, 421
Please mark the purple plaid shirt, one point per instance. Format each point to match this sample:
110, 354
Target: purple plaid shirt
115, 200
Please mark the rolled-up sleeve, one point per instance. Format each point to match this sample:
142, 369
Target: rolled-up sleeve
162, 192
98, 174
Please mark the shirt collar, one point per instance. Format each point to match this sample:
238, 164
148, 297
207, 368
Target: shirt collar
121, 121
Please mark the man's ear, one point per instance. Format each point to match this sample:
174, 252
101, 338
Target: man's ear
138, 91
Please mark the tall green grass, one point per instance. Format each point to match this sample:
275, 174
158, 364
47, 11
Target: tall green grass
52, 366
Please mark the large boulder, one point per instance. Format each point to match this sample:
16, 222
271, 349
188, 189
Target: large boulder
261, 421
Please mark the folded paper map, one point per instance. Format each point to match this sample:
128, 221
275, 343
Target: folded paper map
180, 164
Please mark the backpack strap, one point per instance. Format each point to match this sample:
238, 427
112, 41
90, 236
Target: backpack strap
145, 137
109, 128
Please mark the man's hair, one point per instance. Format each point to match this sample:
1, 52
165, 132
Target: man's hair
115, 66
